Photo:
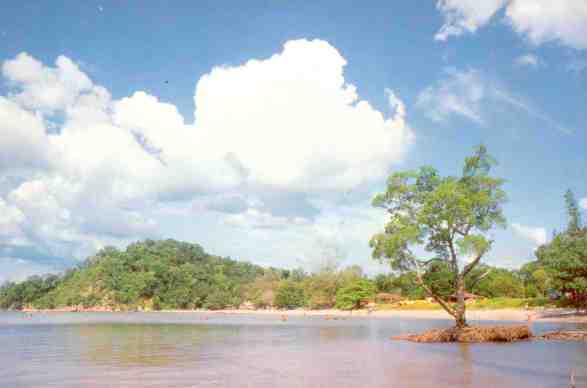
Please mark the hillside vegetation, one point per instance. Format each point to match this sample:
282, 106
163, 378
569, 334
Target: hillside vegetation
168, 274
150, 275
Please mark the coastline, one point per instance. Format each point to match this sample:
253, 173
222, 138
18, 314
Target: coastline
517, 315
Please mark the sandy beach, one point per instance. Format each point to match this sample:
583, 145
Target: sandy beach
517, 315
545, 315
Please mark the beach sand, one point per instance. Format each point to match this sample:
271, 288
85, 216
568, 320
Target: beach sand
518, 315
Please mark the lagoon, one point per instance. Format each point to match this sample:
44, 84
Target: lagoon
212, 350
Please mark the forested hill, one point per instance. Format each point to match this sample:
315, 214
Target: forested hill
168, 274
164, 274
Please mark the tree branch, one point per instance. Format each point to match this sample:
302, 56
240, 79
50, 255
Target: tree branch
433, 295
479, 279
453, 255
425, 263
472, 264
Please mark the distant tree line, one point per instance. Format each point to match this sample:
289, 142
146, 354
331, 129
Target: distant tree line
169, 274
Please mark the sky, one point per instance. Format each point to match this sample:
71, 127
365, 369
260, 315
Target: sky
263, 130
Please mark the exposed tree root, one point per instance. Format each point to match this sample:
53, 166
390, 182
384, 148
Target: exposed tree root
471, 334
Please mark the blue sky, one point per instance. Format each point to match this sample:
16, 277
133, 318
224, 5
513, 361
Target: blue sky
262, 131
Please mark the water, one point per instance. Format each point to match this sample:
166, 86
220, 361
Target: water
188, 350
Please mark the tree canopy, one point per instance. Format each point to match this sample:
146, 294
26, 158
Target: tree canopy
565, 257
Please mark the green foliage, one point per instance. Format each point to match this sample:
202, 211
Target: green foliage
536, 280
439, 278
261, 292
219, 299
565, 260
320, 289
499, 282
352, 295
289, 295
163, 274
17, 295
573, 212
408, 287
385, 283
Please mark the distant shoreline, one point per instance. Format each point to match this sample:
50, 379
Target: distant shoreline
542, 315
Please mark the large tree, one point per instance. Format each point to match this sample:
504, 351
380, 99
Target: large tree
573, 212
565, 257
441, 219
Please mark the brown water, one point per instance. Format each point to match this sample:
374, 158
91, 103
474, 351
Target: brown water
186, 350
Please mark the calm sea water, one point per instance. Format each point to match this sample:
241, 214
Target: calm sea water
188, 350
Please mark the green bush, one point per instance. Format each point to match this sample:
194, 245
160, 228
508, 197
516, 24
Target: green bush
218, 300
289, 295
351, 296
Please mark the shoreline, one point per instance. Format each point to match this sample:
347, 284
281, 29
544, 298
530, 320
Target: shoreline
517, 315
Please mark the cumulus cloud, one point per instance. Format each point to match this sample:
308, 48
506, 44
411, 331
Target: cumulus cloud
535, 234
540, 21
583, 203
293, 122
23, 139
528, 60
45, 88
275, 130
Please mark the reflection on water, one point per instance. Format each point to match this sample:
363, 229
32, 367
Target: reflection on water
185, 350
146, 345
466, 362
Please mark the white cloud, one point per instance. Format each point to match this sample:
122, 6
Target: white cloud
583, 203
23, 141
283, 127
15, 269
460, 93
471, 94
462, 16
540, 21
257, 219
535, 234
11, 220
338, 235
529, 60
292, 122
44, 88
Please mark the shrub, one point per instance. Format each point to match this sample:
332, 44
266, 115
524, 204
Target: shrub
289, 295
351, 296
218, 300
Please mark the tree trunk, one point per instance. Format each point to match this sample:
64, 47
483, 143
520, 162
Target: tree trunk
460, 318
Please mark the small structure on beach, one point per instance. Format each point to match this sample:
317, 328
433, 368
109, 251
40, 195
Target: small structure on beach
247, 305
469, 297
387, 298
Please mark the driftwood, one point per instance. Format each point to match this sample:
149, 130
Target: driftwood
574, 335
